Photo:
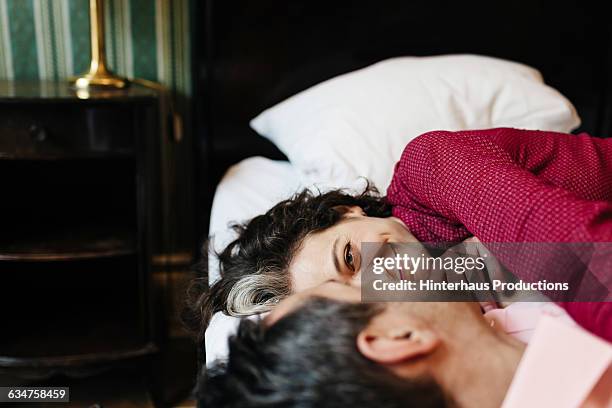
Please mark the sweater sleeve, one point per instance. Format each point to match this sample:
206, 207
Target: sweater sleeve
505, 185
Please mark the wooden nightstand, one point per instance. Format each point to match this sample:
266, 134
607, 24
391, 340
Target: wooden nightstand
76, 230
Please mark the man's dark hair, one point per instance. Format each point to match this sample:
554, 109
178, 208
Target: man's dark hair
254, 266
308, 359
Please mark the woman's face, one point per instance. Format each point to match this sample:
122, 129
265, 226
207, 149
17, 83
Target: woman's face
334, 253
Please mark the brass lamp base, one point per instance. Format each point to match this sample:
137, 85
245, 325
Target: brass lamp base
105, 81
99, 76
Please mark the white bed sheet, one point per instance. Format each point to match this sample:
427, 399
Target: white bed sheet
249, 188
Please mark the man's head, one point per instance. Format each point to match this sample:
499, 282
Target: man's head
310, 359
323, 348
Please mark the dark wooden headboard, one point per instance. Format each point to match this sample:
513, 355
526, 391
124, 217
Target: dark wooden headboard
249, 55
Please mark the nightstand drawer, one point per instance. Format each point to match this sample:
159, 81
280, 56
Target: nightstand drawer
47, 131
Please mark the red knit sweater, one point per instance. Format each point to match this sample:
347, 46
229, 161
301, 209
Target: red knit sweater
511, 185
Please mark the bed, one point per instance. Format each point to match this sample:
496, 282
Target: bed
249, 56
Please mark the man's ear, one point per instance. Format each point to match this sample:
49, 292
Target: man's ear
396, 345
349, 211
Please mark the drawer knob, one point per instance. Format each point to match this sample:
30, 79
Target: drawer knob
37, 133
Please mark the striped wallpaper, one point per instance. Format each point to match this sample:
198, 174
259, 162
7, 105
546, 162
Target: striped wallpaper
49, 39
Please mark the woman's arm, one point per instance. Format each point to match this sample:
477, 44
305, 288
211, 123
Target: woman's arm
505, 185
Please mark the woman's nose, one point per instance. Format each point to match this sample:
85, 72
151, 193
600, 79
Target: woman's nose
355, 280
384, 238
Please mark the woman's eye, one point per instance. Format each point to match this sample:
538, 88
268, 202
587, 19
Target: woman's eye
348, 257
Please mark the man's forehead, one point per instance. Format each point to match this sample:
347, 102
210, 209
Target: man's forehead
330, 290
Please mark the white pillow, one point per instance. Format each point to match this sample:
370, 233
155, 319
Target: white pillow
358, 124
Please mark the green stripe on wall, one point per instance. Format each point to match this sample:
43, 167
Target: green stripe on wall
6, 55
62, 40
44, 48
108, 34
143, 39
79, 35
164, 41
67, 34
56, 56
22, 38
122, 40
126, 23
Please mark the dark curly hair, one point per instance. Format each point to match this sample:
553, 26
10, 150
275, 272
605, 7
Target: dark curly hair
254, 266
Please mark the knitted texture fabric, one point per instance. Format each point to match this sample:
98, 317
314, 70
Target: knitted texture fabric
509, 185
